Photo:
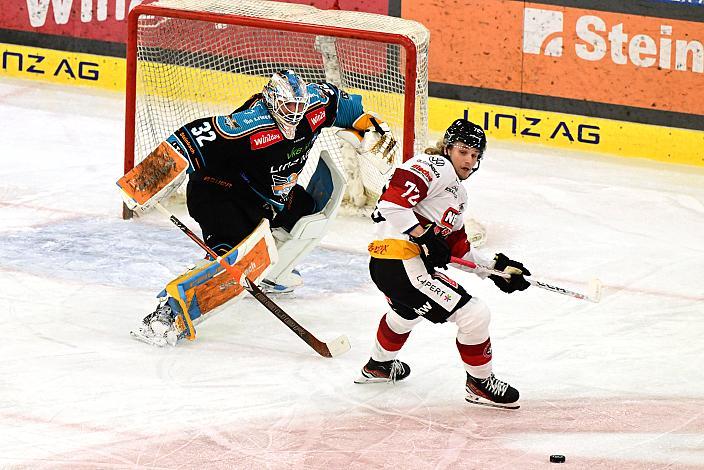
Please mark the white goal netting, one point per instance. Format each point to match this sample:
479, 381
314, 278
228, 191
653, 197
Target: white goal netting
195, 58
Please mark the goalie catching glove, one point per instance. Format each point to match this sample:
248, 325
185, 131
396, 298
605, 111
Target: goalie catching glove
517, 281
372, 139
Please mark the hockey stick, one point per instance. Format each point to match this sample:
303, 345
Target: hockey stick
332, 348
594, 294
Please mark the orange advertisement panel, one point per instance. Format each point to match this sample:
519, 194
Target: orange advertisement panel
614, 58
472, 42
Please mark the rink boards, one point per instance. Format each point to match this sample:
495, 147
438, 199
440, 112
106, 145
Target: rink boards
552, 129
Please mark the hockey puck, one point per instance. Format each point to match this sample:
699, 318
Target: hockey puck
557, 458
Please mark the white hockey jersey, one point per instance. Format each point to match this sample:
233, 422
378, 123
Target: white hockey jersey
422, 190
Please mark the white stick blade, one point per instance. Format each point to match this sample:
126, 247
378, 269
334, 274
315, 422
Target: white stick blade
595, 290
338, 346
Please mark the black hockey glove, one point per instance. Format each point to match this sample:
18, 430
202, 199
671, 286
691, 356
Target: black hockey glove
433, 248
299, 203
517, 281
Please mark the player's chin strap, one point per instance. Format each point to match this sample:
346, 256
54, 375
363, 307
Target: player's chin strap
594, 294
327, 186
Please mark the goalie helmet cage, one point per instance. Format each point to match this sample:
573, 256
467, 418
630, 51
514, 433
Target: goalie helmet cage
193, 58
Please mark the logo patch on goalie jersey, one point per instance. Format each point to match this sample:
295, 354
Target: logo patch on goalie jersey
316, 118
264, 139
283, 184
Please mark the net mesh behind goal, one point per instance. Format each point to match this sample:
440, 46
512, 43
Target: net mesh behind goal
194, 58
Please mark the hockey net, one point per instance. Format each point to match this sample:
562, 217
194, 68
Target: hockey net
193, 58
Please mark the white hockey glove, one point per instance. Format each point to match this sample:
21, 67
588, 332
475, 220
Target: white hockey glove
372, 139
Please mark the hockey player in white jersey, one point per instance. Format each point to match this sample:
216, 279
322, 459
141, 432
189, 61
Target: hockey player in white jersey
420, 226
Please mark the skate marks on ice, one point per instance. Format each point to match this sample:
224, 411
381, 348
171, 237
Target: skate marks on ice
592, 433
135, 254
99, 251
333, 271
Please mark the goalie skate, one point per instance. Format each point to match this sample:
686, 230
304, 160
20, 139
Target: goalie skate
158, 328
270, 287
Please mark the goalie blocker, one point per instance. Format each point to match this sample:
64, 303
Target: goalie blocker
154, 179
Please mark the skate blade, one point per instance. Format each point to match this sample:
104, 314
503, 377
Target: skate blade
477, 400
371, 380
276, 293
139, 336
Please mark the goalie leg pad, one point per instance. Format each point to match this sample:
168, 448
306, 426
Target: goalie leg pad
197, 292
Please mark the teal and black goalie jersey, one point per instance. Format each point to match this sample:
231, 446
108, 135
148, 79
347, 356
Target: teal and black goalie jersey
247, 147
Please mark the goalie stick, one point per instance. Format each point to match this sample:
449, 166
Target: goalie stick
332, 348
594, 294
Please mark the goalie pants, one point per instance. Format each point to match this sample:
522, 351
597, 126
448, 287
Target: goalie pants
228, 212
414, 294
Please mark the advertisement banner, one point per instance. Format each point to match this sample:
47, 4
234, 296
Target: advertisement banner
66, 68
613, 58
102, 20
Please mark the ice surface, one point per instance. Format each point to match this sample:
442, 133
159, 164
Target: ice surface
617, 384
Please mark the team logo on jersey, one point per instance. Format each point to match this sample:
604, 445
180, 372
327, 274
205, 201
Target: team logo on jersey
326, 91
449, 218
422, 172
177, 144
264, 139
316, 118
227, 126
283, 184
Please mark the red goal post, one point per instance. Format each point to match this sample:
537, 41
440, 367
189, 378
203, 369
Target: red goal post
192, 58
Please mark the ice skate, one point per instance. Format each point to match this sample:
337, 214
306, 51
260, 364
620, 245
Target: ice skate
285, 287
388, 371
272, 288
491, 392
158, 328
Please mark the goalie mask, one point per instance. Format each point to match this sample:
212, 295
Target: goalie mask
286, 96
465, 133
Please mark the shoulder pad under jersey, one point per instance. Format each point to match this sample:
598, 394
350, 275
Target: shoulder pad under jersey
322, 92
244, 122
